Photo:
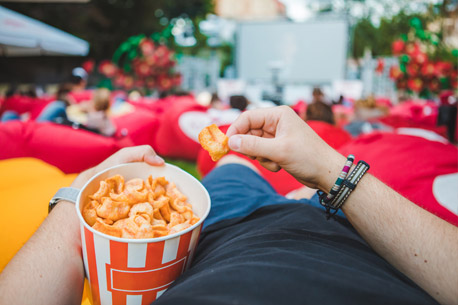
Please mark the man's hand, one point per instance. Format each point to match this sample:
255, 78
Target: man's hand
144, 153
278, 138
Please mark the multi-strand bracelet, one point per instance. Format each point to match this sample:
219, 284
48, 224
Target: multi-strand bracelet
343, 186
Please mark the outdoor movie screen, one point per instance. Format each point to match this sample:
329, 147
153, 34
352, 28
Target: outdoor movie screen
311, 52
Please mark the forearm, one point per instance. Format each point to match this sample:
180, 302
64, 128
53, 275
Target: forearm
48, 269
419, 244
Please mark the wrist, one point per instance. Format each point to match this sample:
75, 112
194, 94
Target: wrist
330, 171
82, 178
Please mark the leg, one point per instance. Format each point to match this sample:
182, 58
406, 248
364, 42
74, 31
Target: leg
52, 111
9, 116
236, 190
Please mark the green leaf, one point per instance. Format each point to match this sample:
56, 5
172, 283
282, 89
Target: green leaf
416, 23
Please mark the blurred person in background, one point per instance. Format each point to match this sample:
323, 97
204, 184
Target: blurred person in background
53, 112
318, 95
239, 102
79, 79
365, 111
97, 117
319, 111
216, 102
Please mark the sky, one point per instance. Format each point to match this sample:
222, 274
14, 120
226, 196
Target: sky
301, 10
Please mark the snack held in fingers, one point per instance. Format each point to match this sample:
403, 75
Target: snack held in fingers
214, 141
138, 208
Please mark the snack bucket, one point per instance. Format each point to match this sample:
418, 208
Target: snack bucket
138, 271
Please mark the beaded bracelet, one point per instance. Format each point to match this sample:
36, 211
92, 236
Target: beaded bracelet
343, 174
347, 186
350, 184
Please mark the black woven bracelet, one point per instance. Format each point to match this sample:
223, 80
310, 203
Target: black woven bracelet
348, 185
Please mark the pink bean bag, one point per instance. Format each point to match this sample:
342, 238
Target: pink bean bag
70, 150
424, 171
171, 140
333, 135
12, 140
140, 126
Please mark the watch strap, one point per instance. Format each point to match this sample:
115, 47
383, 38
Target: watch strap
66, 193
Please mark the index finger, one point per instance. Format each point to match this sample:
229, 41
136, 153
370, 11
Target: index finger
264, 119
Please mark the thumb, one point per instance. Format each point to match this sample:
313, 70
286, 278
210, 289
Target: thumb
251, 145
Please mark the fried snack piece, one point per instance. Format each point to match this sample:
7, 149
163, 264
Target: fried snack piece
214, 141
138, 209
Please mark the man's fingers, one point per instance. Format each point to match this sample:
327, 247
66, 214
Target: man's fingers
270, 165
251, 145
251, 120
135, 154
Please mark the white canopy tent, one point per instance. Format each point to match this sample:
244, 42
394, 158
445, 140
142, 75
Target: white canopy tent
23, 36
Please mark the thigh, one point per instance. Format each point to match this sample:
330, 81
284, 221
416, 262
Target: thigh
52, 111
10, 115
236, 191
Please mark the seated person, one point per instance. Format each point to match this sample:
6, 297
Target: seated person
239, 102
366, 110
258, 247
319, 111
97, 117
55, 110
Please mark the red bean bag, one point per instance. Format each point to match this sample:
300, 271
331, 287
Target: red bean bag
12, 140
18, 103
333, 135
171, 140
81, 96
72, 151
424, 171
141, 126
399, 121
420, 112
40, 104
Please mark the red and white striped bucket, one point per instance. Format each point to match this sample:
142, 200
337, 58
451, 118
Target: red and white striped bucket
138, 271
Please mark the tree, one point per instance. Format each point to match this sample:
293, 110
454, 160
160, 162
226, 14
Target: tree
105, 24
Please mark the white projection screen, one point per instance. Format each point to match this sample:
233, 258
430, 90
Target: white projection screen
312, 52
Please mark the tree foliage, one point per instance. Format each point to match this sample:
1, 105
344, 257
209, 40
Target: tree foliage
379, 39
105, 24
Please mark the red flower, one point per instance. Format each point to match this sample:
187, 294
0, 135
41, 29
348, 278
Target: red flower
142, 69
428, 69
147, 47
395, 72
380, 66
420, 57
443, 68
88, 65
433, 85
401, 83
119, 80
139, 83
397, 47
161, 51
128, 82
151, 60
454, 79
413, 69
412, 48
165, 83
150, 82
415, 84
107, 68
177, 79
